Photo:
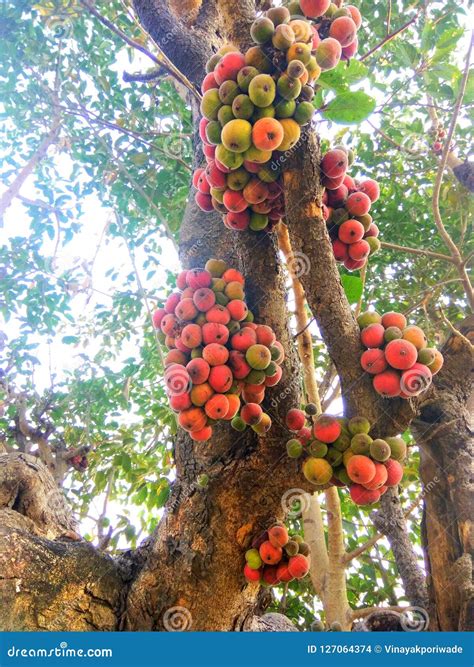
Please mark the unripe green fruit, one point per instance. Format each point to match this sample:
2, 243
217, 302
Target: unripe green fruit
228, 91
342, 476
262, 30
245, 76
317, 449
229, 159
342, 11
212, 62
343, 442
237, 180
297, 538
238, 424
294, 449
262, 90
331, 10
225, 115
210, 104
271, 369
213, 132
392, 333
275, 352
283, 38
369, 317
426, 356
218, 195
268, 175
360, 443
250, 317
374, 244
299, 51
317, 626
398, 448
292, 548
295, 69
304, 549
304, 113
339, 215
258, 221
253, 559
285, 108
196, 353
203, 481
336, 627
242, 107
311, 409
334, 457
257, 58
288, 88
278, 15
358, 424
222, 300
264, 112
307, 93
256, 376
380, 450
237, 135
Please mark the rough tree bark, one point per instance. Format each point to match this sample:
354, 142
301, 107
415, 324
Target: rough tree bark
193, 561
444, 433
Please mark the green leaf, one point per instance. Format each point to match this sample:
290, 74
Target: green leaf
350, 108
353, 287
342, 76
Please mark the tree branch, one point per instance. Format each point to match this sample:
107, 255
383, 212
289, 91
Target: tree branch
14, 188
390, 37
417, 251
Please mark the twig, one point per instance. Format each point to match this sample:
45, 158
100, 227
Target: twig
456, 255
389, 38
453, 328
161, 60
367, 611
417, 251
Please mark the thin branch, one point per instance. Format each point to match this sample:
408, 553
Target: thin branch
351, 555
40, 153
403, 149
161, 60
453, 328
368, 611
417, 251
389, 38
456, 255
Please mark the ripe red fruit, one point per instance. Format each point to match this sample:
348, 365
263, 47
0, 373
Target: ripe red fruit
362, 496
265, 335
298, 566
234, 201
360, 469
213, 332
373, 361
202, 435
243, 339
354, 264
269, 576
380, 477
372, 231
193, 419
334, 164
295, 419
215, 354
204, 298
251, 413
172, 301
168, 324
401, 354
359, 250
351, 231
215, 177
204, 202
340, 250
198, 370
278, 536
158, 316
394, 472
251, 575
196, 278
304, 435
237, 309
394, 320
327, 429
358, 203
370, 188
348, 51
237, 221
219, 314
191, 335
229, 66
220, 378
209, 82
283, 573
372, 336
387, 384
274, 379
217, 406
314, 8
269, 554
344, 30
239, 365
356, 15
233, 276
338, 196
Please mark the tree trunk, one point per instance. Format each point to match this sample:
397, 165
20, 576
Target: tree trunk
444, 434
